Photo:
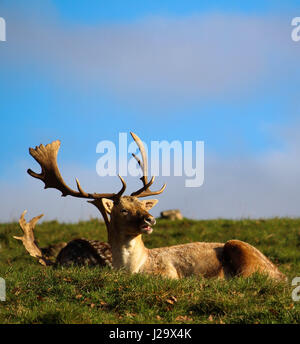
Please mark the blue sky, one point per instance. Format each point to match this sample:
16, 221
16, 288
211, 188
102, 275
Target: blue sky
226, 72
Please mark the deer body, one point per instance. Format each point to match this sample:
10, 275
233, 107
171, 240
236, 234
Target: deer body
198, 258
130, 219
173, 262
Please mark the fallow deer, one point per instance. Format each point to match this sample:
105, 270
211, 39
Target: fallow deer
78, 251
127, 218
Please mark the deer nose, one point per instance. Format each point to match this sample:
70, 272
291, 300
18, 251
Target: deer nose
150, 220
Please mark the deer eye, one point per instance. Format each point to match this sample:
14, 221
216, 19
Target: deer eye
124, 211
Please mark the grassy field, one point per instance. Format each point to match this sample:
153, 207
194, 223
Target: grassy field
37, 294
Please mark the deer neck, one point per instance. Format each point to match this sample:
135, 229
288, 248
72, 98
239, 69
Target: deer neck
128, 251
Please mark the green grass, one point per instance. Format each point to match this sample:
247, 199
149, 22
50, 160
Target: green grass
37, 294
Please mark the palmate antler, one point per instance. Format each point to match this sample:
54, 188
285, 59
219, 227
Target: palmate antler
145, 190
46, 156
28, 239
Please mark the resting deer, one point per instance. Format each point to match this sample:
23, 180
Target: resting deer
127, 218
78, 251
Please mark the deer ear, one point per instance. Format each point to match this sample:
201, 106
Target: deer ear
149, 203
107, 204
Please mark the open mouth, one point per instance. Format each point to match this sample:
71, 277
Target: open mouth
146, 229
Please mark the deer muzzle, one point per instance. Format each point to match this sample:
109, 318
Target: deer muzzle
146, 227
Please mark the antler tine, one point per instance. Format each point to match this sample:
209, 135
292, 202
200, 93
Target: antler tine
143, 178
145, 190
144, 163
151, 193
120, 193
46, 156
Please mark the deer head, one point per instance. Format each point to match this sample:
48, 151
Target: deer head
130, 216
128, 212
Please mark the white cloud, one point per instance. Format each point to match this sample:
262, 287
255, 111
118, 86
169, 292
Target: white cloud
164, 59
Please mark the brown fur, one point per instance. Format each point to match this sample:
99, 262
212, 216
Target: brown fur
199, 258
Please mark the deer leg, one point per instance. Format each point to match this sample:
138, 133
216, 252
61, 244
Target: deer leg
245, 259
28, 239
